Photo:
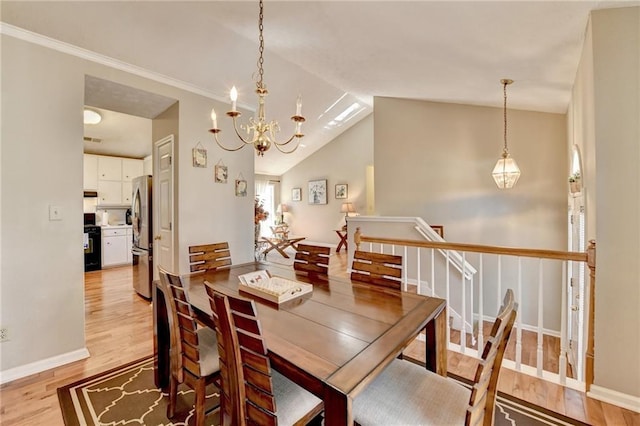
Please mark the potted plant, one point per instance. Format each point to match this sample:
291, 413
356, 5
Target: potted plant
574, 182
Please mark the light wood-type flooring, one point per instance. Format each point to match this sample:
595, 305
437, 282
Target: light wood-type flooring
118, 329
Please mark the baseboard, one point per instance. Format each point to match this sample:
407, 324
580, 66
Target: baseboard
610, 396
42, 365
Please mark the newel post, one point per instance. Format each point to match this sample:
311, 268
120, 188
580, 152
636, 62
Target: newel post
591, 262
356, 238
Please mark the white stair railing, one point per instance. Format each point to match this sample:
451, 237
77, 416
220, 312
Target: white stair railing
539, 281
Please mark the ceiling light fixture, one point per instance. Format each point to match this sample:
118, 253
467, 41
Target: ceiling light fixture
91, 117
264, 132
506, 172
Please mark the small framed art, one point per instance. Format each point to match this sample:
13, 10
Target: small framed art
241, 188
220, 173
318, 191
296, 194
341, 190
199, 157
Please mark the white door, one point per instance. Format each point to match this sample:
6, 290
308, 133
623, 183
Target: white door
576, 285
163, 207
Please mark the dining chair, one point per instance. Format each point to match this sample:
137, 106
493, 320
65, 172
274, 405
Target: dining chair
377, 268
209, 256
194, 350
313, 259
253, 393
408, 394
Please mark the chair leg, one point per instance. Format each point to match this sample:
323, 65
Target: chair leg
173, 396
201, 395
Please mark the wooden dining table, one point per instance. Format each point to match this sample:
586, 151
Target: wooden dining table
333, 341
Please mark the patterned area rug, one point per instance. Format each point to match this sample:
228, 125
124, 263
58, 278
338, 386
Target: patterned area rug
127, 395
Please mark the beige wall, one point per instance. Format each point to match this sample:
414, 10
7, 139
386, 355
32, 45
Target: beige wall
344, 160
614, 84
42, 296
434, 160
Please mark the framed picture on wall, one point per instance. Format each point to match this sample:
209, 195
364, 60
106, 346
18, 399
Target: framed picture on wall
221, 173
199, 157
318, 191
296, 194
341, 190
241, 188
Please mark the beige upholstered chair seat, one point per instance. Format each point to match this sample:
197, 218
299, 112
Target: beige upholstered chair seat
407, 394
208, 348
293, 401
404, 384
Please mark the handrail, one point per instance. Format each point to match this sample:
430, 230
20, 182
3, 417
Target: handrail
477, 248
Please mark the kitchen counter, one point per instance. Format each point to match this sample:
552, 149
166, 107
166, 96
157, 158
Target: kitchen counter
116, 226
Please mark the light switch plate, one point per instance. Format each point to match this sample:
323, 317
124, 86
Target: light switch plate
55, 213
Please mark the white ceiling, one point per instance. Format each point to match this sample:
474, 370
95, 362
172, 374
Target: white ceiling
333, 53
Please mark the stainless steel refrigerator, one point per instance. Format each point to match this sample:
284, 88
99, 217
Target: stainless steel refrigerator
142, 225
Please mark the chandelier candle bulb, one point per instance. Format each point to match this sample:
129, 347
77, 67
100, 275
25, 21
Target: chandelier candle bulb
234, 97
299, 106
214, 118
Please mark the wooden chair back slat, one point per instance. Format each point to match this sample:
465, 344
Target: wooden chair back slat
482, 399
245, 360
209, 256
312, 259
377, 268
185, 354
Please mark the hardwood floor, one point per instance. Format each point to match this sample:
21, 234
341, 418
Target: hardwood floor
118, 329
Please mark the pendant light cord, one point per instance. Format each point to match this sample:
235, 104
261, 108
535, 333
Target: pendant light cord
505, 152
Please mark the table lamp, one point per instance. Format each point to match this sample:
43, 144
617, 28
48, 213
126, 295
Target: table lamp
346, 209
282, 209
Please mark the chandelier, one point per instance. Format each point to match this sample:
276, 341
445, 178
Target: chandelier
506, 171
260, 133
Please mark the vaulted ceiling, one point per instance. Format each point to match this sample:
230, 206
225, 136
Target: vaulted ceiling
334, 53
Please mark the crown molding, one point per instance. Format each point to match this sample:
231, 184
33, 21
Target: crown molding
79, 52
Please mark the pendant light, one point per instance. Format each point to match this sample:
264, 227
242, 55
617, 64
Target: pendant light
506, 172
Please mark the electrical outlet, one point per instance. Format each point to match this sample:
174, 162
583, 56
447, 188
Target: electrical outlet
4, 334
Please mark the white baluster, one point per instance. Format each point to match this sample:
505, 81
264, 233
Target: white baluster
405, 266
562, 361
418, 268
463, 330
480, 306
539, 354
446, 281
519, 319
433, 273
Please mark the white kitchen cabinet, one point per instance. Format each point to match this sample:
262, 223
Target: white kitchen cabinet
109, 168
127, 193
131, 168
90, 176
115, 248
109, 192
113, 179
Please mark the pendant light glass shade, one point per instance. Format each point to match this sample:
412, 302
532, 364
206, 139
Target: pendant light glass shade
506, 172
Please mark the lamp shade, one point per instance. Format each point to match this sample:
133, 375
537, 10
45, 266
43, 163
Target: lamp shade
347, 208
282, 208
506, 172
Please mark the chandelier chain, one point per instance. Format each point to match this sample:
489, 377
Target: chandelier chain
260, 84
